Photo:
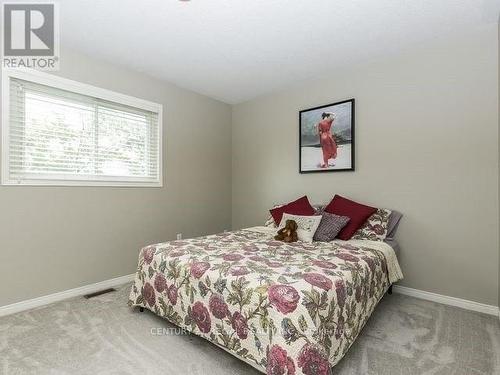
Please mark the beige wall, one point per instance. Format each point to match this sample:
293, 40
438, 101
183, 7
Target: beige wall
426, 144
426, 137
57, 238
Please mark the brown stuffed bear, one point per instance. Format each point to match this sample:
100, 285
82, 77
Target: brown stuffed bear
288, 233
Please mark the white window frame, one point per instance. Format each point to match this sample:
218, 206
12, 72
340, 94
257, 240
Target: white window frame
84, 89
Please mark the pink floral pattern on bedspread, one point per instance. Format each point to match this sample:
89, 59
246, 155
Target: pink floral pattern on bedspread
284, 308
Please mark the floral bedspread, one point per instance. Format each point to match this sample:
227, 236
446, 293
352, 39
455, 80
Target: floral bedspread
283, 308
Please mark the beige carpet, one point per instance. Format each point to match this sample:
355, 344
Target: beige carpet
104, 336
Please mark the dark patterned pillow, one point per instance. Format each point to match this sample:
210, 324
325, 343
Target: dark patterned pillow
330, 226
375, 228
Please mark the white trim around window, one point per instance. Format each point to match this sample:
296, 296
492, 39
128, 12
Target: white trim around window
12, 174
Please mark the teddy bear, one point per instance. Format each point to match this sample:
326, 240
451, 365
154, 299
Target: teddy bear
288, 233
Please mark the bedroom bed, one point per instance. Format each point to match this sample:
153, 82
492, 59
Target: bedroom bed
284, 308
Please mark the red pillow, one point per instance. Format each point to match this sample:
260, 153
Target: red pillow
357, 212
299, 207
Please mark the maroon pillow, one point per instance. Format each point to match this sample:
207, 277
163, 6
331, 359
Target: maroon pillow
299, 207
357, 212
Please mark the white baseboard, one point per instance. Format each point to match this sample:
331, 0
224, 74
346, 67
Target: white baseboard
56, 297
86, 289
445, 300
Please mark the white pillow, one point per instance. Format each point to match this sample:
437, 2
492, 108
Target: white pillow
307, 225
270, 220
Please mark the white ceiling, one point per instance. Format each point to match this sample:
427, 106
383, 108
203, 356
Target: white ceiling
234, 50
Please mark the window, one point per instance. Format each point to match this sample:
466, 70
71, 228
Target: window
60, 132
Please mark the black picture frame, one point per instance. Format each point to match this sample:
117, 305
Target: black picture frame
342, 144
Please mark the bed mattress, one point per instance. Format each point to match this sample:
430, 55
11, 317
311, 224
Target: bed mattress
283, 308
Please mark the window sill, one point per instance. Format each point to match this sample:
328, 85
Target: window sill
78, 183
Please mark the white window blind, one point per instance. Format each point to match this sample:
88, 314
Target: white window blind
56, 136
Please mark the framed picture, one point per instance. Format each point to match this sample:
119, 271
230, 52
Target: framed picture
326, 139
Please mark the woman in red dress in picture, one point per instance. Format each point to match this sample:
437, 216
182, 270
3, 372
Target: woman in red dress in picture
326, 139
